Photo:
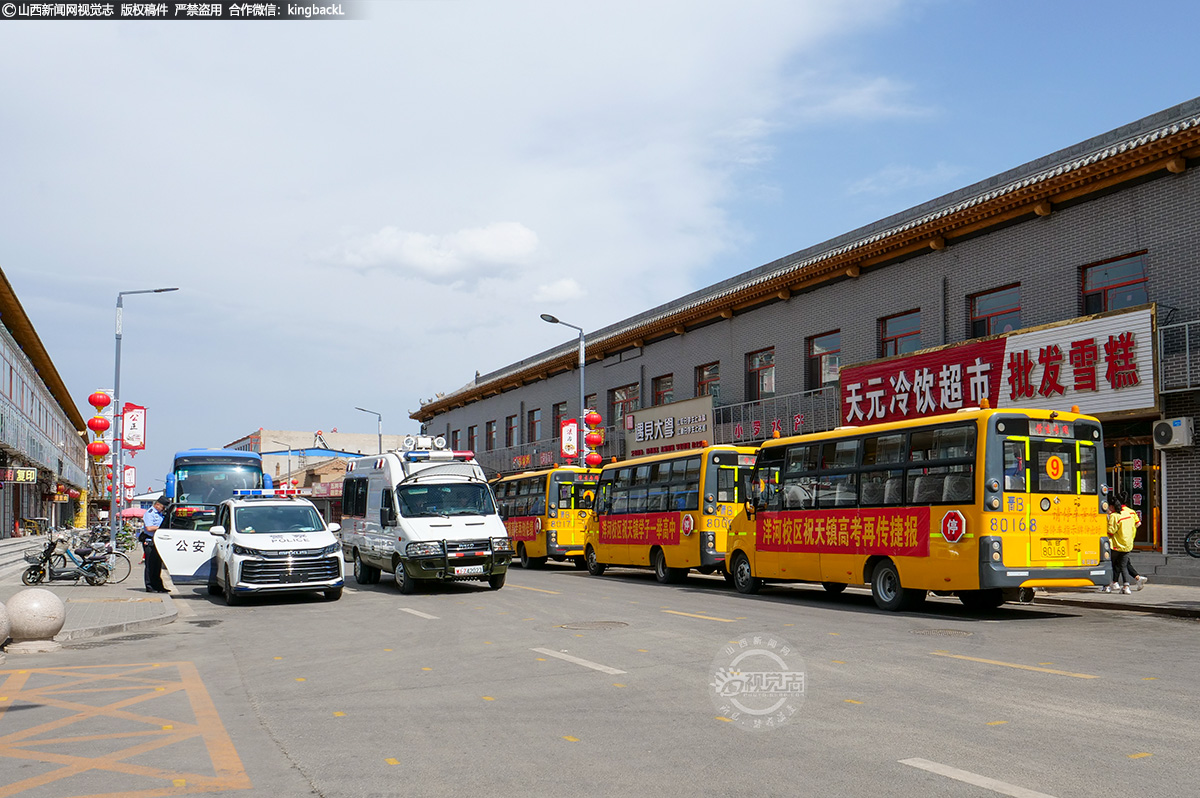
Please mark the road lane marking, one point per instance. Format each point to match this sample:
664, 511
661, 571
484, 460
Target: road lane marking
585, 663
392, 761
418, 613
1140, 756
704, 617
1015, 665
571, 739
538, 590
488, 698
968, 777
339, 714
852, 701
997, 722
723, 718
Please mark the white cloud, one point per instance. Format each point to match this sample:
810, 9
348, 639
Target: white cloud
900, 178
563, 290
440, 258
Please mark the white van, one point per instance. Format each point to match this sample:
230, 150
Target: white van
424, 514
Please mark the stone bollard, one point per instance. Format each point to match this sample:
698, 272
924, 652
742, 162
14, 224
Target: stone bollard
35, 617
5, 628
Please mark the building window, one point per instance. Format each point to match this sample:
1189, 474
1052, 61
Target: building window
708, 381
664, 389
455, 439
1115, 284
824, 357
557, 413
489, 435
621, 401
760, 375
510, 431
900, 334
472, 437
535, 425
996, 311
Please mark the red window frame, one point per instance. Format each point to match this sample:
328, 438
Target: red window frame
489, 435
472, 437
898, 338
534, 428
558, 412
1100, 297
708, 380
817, 360
994, 311
621, 401
760, 373
510, 431
662, 390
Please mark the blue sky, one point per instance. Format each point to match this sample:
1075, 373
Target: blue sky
366, 213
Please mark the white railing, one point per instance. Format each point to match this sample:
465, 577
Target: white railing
1179, 357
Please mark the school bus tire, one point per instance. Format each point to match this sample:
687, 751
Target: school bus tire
833, 588
594, 566
522, 556
664, 573
727, 576
580, 563
887, 591
744, 579
988, 599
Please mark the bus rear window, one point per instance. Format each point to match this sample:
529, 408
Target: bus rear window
1051, 466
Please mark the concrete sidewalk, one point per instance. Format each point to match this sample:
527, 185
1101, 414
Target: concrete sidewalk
93, 611
1179, 600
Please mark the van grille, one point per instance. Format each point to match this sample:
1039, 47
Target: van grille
468, 546
297, 570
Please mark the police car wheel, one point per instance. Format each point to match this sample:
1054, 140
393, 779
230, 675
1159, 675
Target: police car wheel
214, 589
333, 594
231, 599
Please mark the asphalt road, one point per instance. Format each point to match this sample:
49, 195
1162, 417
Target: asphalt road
564, 684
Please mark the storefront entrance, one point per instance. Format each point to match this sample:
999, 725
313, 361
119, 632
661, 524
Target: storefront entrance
1132, 468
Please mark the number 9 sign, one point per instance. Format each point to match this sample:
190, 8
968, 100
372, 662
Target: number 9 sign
1054, 468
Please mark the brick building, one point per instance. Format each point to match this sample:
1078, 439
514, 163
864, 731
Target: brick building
1099, 239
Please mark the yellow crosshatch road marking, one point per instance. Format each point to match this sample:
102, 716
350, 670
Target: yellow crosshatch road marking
704, 617
1015, 665
125, 698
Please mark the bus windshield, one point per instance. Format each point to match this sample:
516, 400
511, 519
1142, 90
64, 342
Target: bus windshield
444, 500
213, 483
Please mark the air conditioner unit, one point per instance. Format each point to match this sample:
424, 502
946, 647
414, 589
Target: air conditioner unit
1172, 433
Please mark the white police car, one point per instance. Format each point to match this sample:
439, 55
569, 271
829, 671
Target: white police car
273, 541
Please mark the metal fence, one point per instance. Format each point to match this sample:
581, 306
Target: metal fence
1179, 357
744, 423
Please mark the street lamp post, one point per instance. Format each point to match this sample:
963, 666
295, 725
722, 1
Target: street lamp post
289, 448
380, 419
114, 509
580, 446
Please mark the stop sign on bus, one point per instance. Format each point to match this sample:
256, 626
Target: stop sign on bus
954, 526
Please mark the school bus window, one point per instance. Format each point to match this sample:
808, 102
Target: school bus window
839, 454
799, 492
1054, 467
1087, 469
728, 488
881, 449
1014, 466
802, 458
837, 490
943, 444
881, 488
657, 495
622, 478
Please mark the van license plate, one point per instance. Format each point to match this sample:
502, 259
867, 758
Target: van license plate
468, 570
1054, 549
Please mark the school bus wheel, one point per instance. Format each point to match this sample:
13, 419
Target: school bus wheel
594, 566
743, 576
833, 588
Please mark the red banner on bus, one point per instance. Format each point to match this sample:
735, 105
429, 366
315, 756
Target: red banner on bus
641, 529
522, 528
901, 531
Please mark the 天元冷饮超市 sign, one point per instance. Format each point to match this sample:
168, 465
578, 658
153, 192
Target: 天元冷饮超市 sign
1104, 364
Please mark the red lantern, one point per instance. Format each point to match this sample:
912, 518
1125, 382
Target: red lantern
593, 439
295, 483
98, 424
97, 449
74, 494
594, 459
109, 488
99, 400
592, 419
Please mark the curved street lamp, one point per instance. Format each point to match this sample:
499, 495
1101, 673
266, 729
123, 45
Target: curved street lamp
580, 447
380, 419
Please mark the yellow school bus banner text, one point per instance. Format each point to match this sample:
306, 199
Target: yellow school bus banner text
902, 531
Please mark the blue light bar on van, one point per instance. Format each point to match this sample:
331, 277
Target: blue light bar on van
273, 492
426, 454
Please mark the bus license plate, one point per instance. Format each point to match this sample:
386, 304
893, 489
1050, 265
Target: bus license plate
1054, 549
468, 570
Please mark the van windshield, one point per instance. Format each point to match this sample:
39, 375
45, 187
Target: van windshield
445, 500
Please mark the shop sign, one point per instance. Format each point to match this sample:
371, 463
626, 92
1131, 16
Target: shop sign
19, 475
327, 490
674, 427
1104, 364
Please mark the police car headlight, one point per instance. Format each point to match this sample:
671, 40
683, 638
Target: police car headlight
247, 552
501, 544
331, 549
431, 549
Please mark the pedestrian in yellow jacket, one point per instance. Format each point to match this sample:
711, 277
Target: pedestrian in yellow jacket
1123, 523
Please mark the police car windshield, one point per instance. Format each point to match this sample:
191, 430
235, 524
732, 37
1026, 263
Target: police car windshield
265, 520
460, 498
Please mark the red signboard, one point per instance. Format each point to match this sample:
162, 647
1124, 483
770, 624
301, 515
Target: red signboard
954, 525
889, 531
641, 529
525, 529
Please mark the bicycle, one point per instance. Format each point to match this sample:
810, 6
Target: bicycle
1191, 543
119, 565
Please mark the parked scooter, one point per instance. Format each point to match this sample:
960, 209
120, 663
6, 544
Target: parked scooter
84, 563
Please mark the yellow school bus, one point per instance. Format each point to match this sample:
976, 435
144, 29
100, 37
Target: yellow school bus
547, 512
980, 504
668, 511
